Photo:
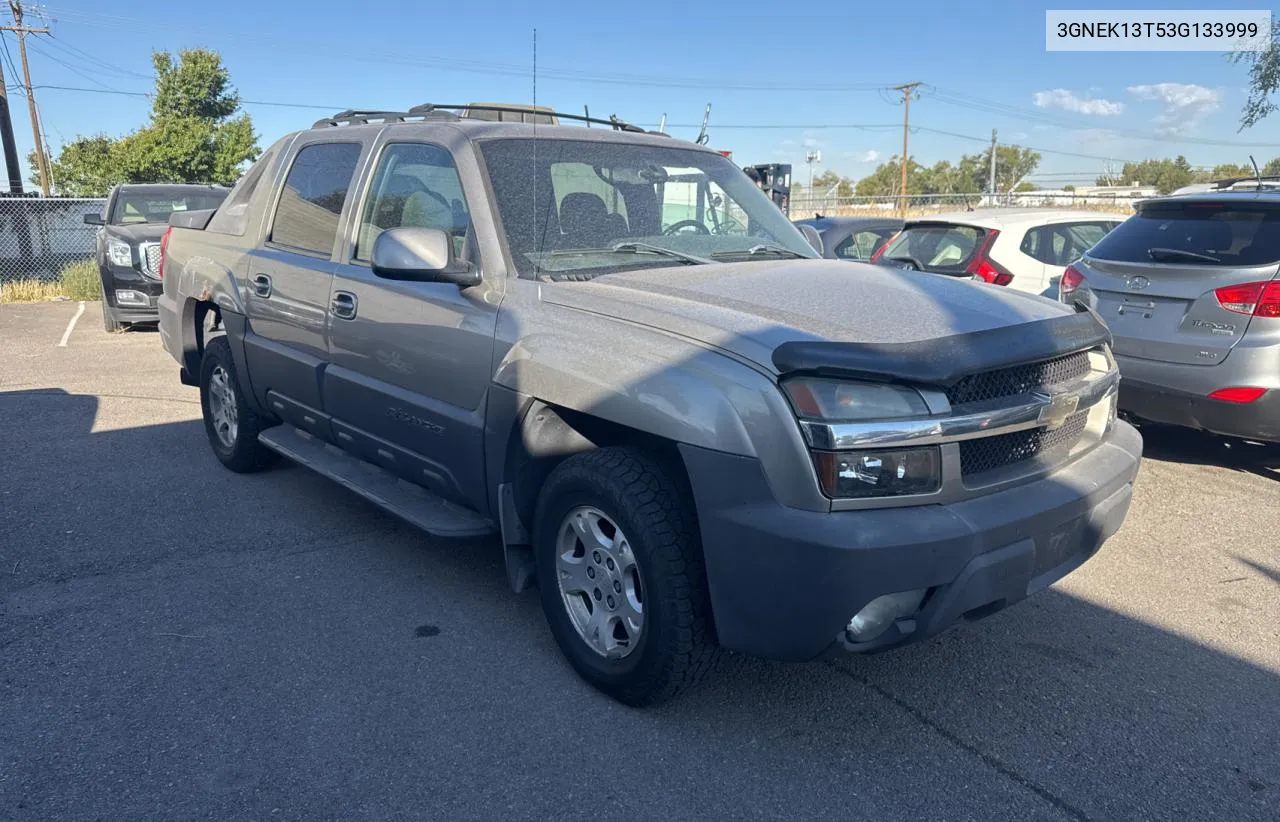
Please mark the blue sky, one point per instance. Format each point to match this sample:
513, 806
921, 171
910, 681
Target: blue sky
778, 81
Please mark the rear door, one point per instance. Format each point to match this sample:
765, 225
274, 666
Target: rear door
1168, 281
289, 279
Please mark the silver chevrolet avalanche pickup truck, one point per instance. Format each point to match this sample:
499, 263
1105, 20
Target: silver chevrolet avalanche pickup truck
610, 348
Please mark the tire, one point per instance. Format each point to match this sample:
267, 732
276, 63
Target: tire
662, 570
109, 321
233, 435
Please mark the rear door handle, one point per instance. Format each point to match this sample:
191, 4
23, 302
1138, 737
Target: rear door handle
343, 305
262, 285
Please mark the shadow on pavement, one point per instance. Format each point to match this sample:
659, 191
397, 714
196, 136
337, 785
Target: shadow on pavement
1168, 443
178, 637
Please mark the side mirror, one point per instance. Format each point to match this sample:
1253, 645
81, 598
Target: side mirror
815, 239
93, 219
421, 255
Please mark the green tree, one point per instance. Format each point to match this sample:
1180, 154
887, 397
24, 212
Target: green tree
1264, 79
886, 180
1013, 164
1272, 168
193, 136
1165, 174
829, 179
1025, 185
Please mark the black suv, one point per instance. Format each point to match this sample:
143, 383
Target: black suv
127, 248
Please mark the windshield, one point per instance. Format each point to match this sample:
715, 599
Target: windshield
155, 207
590, 207
938, 246
1199, 233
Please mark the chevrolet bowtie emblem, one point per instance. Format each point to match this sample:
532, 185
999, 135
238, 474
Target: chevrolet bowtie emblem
1056, 409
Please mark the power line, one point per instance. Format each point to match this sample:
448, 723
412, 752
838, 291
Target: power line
97, 61
36, 48
967, 101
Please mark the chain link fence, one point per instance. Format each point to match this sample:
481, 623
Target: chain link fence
805, 205
41, 240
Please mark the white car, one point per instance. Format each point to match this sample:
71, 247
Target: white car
1023, 248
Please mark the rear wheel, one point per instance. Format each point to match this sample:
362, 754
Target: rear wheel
621, 578
231, 424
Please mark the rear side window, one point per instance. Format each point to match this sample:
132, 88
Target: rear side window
314, 192
1196, 233
936, 245
232, 217
860, 245
1063, 243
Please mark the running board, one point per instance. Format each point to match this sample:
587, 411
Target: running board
410, 502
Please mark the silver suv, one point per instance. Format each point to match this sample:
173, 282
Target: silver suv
612, 350
1188, 287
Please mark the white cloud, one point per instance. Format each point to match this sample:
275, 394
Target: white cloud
867, 156
1068, 101
1185, 105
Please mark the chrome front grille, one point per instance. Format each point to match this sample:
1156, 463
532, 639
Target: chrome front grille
149, 257
1020, 379
989, 453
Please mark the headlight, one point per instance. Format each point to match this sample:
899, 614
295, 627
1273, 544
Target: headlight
836, 401
119, 253
871, 472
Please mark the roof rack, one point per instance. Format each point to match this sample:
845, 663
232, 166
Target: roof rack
454, 112
359, 117
1221, 184
613, 122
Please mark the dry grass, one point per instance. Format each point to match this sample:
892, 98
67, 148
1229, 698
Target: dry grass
77, 281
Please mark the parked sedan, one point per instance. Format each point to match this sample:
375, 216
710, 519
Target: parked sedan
128, 245
1188, 288
852, 238
1023, 248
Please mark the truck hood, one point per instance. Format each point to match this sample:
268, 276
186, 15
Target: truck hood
135, 233
812, 315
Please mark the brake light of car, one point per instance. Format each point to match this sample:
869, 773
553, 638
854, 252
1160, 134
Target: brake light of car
1240, 394
981, 265
1071, 280
1260, 299
164, 248
875, 255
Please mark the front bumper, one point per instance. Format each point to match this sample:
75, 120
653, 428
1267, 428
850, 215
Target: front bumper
1146, 393
120, 278
784, 582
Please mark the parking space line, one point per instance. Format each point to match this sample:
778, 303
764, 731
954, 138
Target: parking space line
62, 343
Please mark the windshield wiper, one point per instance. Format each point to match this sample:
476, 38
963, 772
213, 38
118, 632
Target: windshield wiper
635, 247
761, 250
1159, 254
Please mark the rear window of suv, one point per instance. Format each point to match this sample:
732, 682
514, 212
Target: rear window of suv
1196, 233
936, 246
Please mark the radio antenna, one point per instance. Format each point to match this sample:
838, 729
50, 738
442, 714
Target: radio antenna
537, 251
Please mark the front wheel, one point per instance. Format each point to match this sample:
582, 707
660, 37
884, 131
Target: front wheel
620, 573
231, 424
109, 322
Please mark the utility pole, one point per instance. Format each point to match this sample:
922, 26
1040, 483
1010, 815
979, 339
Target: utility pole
907, 89
992, 188
12, 164
42, 162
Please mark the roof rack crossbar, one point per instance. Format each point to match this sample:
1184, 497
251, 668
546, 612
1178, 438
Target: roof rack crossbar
1250, 179
360, 117
612, 121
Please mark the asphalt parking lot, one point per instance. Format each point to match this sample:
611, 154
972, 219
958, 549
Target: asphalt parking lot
180, 642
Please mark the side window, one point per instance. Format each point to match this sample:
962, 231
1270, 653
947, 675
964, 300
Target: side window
415, 185
1033, 244
846, 249
314, 191
232, 217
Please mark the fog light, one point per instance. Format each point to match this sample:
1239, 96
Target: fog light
127, 296
881, 612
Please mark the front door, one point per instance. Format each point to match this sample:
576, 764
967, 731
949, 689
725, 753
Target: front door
411, 361
289, 279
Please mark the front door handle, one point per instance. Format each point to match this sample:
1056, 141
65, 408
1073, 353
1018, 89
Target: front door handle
262, 285
343, 305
